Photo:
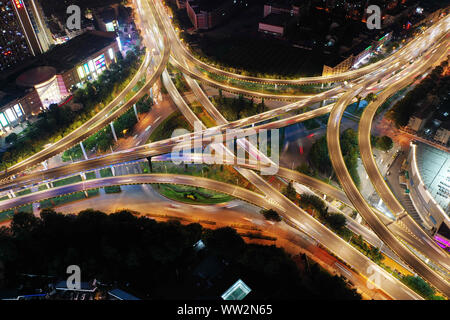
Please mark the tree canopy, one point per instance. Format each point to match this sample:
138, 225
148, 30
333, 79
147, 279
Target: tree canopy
156, 259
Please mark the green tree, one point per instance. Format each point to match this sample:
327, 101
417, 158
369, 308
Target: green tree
319, 155
224, 241
420, 286
11, 138
289, 192
336, 220
304, 168
370, 97
271, 214
384, 143
24, 224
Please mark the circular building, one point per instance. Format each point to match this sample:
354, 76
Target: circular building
45, 81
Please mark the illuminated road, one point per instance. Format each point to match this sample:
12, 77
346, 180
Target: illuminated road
98, 121
333, 141
101, 119
352, 74
289, 210
81, 134
158, 147
434, 252
440, 257
284, 206
341, 248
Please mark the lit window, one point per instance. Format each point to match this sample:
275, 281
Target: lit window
80, 72
111, 53
18, 110
3, 120
91, 66
10, 115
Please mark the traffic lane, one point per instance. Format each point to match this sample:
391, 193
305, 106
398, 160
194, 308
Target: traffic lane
260, 117
79, 135
394, 290
98, 121
372, 169
334, 78
356, 198
365, 143
335, 244
280, 201
152, 149
69, 138
218, 186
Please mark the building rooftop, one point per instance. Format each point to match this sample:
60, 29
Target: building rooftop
122, 295
36, 76
277, 19
10, 93
238, 291
206, 5
434, 167
59, 59
69, 54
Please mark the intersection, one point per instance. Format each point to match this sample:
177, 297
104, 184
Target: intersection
394, 73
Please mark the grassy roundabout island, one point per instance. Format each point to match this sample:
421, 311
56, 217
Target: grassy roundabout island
192, 195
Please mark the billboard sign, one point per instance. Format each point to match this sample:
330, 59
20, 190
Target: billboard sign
18, 3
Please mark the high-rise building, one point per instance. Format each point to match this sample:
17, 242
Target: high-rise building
14, 47
22, 32
37, 18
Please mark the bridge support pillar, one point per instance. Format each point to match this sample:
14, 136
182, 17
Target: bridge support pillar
113, 171
84, 151
83, 178
44, 163
135, 111
149, 159
113, 131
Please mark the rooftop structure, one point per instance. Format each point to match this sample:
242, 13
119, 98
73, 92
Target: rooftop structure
429, 183
36, 76
206, 14
288, 7
69, 54
121, 295
238, 291
443, 133
275, 23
